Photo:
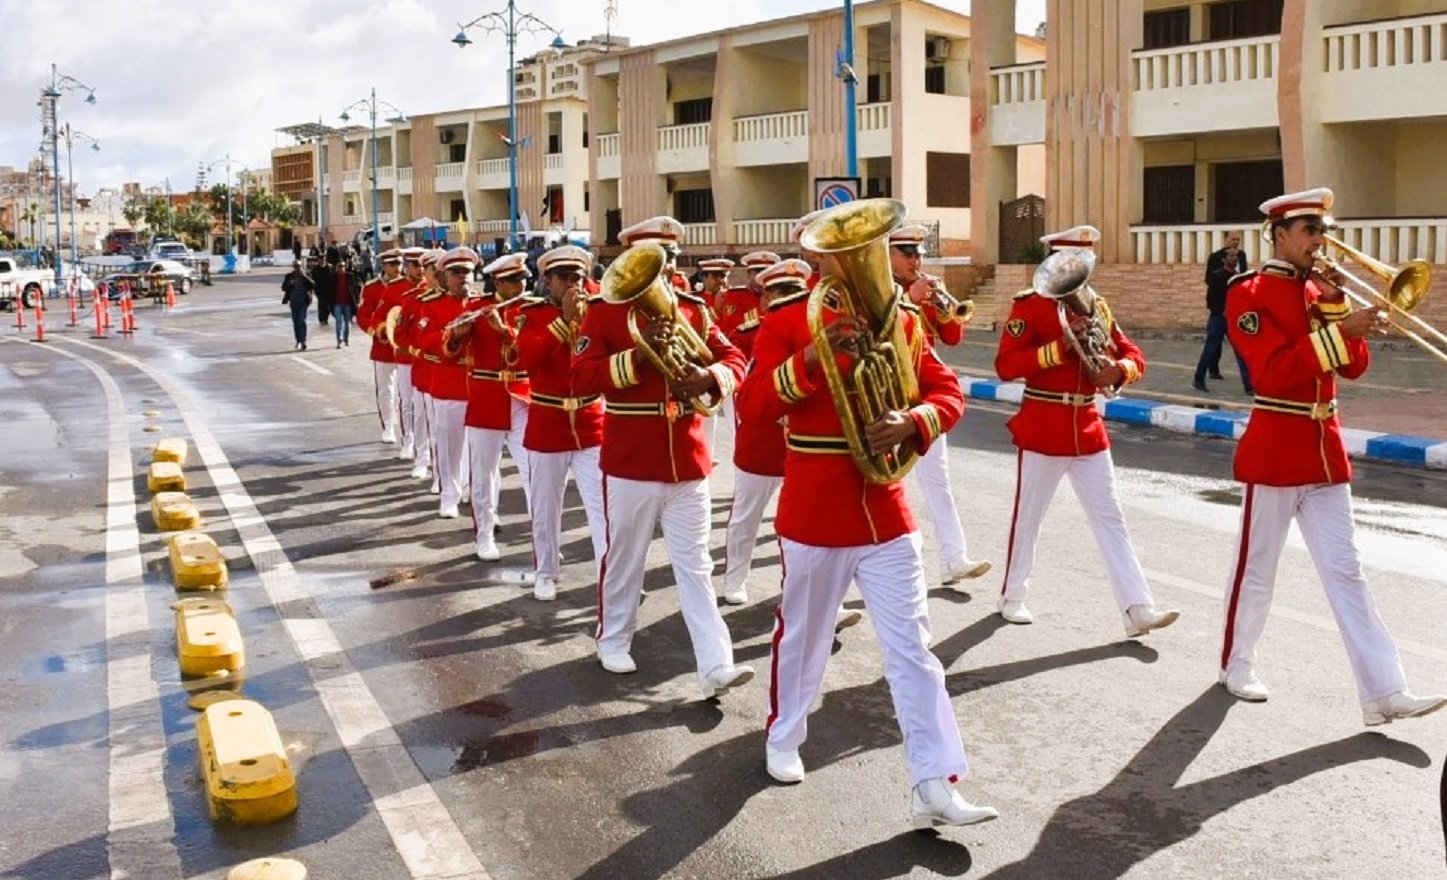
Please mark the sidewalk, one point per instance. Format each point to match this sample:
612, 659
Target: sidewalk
1397, 412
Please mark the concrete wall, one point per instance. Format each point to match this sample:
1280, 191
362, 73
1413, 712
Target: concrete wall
764, 84
640, 86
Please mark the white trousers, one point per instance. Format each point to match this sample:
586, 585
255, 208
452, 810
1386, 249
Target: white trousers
1093, 479
484, 450
722, 425
548, 473
933, 473
430, 403
752, 493
891, 579
631, 507
450, 439
384, 376
421, 428
405, 395
1324, 515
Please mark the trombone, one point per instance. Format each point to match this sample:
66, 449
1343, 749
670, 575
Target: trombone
1406, 288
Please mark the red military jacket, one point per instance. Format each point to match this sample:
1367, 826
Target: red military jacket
758, 445
560, 418
407, 334
733, 307
939, 329
378, 298
493, 377
446, 371
825, 501
1057, 415
647, 434
1294, 351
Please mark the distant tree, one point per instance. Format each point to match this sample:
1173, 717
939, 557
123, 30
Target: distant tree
133, 212
194, 223
159, 215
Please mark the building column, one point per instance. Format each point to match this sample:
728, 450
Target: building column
992, 169
723, 174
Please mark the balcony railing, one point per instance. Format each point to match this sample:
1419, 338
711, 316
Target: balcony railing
386, 172
700, 234
490, 167
352, 176
563, 86
491, 225
873, 117
1202, 64
759, 232
526, 93
607, 145
449, 169
1191, 243
351, 219
385, 217
1393, 239
552, 161
683, 137
772, 126
1018, 83
1420, 39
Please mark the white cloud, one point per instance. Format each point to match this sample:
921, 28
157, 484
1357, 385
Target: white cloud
184, 81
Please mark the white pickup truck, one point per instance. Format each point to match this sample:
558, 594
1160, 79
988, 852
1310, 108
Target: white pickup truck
23, 281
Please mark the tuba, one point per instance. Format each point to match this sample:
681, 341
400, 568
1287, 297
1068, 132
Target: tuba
1063, 277
882, 377
638, 279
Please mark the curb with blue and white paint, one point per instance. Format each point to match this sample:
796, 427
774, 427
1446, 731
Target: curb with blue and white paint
1376, 445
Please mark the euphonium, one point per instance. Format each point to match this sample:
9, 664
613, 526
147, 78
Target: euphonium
637, 277
882, 377
1063, 277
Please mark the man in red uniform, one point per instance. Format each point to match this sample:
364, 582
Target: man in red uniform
758, 445
378, 298
714, 273
656, 466
414, 286
906, 252
1059, 432
497, 392
448, 377
668, 233
565, 428
836, 527
1297, 332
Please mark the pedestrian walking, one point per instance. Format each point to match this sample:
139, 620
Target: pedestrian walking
297, 293
325, 280
346, 291
296, 248
1221, 267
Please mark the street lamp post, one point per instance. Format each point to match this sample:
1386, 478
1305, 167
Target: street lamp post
851, 113
49, 106
370, 104
70, 136
226, 160
321, 189
509, 24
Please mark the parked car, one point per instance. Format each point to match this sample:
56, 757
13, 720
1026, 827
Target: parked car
17, 275
149, 277
85, 285
168, 249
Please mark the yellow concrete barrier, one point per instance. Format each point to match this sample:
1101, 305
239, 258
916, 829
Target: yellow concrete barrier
249, 780
196, 562
171, 449
207, 637
174, 512
165, 476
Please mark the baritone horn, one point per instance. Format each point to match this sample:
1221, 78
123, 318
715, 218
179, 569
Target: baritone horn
637, 278
1406, 288
882, 377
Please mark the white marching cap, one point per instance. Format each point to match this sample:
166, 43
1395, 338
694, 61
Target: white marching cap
1074, 237
508, 265
662, 229
1309, 203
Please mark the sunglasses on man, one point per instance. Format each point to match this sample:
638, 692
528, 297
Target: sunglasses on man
908, 250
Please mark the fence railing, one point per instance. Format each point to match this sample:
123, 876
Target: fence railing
607, 145
1202, 64
700, 234
552, 161
1393, 239
1420, 39
490, 167
405, 173
771, 126
683, 137
449, 169
1018, 83
759, 232
352, 176
873, 117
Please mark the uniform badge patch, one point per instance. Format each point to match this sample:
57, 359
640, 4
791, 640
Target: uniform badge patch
582, 345
729, 309
522, 319
1015, 327
1249, 322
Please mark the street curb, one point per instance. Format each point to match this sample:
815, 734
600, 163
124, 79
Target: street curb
1404, 449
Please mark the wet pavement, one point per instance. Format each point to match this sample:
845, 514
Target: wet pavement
1106, 757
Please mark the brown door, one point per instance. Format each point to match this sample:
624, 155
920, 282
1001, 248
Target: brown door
1170, 194
1239, 188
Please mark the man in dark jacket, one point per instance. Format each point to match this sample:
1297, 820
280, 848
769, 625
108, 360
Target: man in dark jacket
1221, 266
324, 277
297, 293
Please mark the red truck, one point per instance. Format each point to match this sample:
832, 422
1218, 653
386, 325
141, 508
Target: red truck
120, 241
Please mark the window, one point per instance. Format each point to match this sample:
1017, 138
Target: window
553, 204
878, 187
874, 88
555, 144
1170, 194
934, 79
1238, 187
457, 209
1245, 18
1167, 27
457, 153
693, 205
691, 112
947, 180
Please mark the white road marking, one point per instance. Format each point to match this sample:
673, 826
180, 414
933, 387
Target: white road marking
140, 842
423, 831
309, 365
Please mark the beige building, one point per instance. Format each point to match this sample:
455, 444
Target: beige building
1165, 123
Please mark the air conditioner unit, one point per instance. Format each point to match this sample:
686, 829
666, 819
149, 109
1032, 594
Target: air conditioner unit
446, 135
937, 48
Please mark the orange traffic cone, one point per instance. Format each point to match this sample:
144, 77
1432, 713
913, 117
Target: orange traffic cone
100, 329
170, 295
40, 319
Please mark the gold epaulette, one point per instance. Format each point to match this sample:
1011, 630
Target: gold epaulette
690, 298
788, 300
1241, 276
1029, 291
530, 301
429, 296
1280, 269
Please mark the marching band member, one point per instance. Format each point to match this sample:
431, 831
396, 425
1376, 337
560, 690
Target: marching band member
419, 286
758, 445
836, 527
497, 391
714, 273
1059, 432
564, 428
906, 248
378, 298
665, 231
733, 308
655, 466
1298, 332
448, 376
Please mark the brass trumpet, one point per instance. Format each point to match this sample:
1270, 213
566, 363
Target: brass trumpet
1406, 288
950, 309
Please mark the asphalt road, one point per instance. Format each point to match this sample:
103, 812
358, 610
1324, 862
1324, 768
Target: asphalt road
443, 723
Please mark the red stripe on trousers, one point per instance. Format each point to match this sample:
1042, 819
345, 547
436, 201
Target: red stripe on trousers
603, 565
1240, 576
774, 650
1014, 515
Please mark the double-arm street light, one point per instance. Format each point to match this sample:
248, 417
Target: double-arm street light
510, 23
202, 169
371, 104
49, 107
71, 136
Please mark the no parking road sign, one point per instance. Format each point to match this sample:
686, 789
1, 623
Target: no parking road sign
831, 192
